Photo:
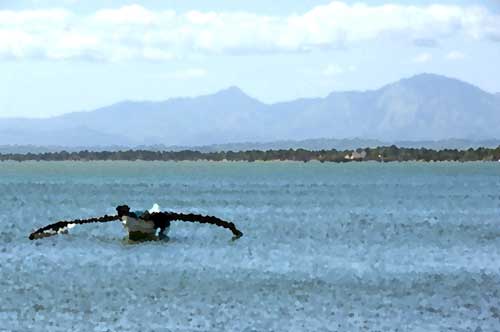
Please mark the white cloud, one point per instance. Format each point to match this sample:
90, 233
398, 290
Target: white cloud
334, 70
131, 14
422, 42
455, 55
192, 73
156, 54
422, 58
135, 32
186, 74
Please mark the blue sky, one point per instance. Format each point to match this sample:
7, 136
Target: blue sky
69, 55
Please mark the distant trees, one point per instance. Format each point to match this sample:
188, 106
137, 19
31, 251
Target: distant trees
381, 154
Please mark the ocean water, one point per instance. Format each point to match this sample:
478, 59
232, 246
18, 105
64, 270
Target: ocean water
326, 247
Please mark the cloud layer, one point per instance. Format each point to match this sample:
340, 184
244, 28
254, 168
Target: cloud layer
134, 32
422, 58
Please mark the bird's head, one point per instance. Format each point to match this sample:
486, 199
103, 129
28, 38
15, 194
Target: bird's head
123, 210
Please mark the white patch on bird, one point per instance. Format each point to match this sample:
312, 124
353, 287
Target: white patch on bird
71, 226
155, 208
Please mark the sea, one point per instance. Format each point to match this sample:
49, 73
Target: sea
365, 246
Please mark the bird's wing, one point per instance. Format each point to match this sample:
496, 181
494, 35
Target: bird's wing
63, 225
172, 216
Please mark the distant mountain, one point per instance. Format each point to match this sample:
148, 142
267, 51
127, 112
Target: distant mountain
424, 107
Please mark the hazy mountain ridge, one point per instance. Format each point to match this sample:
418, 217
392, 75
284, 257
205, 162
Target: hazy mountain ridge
424, 107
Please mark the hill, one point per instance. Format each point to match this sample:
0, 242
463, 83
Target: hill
425, 107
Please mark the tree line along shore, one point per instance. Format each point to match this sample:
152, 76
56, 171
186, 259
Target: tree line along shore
380, 154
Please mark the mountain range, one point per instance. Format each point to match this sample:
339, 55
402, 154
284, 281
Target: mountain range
423, 107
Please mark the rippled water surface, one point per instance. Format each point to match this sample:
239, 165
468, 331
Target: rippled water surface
326, 247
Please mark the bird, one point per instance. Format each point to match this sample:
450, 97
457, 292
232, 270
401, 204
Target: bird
141, 225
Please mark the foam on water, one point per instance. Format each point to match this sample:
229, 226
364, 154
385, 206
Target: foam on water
408, 247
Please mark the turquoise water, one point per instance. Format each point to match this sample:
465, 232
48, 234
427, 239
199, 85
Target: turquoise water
340, 247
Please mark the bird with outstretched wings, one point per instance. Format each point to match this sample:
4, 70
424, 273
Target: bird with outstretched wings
156, 219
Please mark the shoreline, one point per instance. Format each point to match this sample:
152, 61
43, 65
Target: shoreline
255, 161
379, 154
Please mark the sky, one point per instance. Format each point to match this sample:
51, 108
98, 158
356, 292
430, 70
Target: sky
60, 56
